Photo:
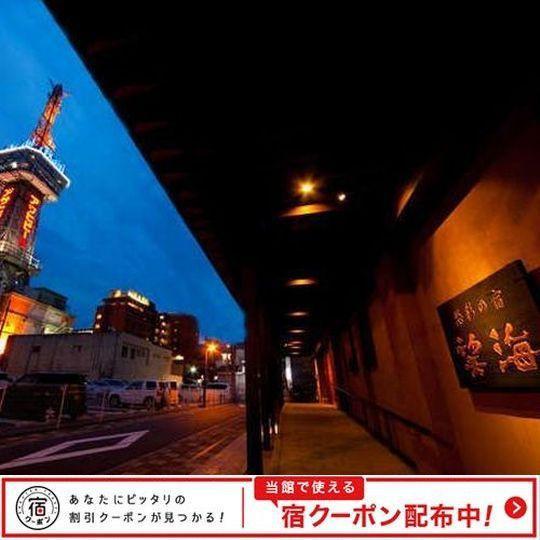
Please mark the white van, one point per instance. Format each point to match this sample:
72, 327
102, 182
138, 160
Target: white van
149, 394
171, 392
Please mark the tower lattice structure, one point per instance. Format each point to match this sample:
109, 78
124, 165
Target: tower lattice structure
30, 176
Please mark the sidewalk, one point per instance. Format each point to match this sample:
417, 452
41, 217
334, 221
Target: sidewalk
231, 460
319, 439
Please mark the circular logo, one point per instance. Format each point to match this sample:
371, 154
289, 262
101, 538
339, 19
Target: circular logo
37, 507
515, 507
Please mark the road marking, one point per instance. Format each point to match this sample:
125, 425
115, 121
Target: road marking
205, 451
52, 453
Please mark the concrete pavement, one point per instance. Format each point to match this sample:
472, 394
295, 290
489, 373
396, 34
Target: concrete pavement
319, 439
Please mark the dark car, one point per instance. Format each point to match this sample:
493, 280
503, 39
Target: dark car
38, 396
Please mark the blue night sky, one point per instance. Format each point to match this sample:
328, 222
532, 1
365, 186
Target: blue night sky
114, 227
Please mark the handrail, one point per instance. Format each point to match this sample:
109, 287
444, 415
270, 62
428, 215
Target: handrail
409, 423
12, 250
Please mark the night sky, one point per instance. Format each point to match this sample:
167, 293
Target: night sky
114, 227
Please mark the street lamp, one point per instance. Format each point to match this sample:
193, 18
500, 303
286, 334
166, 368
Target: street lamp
211, 348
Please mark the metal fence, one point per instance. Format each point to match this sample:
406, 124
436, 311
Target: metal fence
187, 397
101, 407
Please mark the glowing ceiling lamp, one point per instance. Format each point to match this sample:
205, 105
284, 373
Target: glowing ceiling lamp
301, 282
306, 188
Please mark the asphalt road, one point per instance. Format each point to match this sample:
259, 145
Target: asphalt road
109, 448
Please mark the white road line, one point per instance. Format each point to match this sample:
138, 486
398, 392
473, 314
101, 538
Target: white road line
52, 453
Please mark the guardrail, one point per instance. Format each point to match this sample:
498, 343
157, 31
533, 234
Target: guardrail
17, 254
98, 404
186, 397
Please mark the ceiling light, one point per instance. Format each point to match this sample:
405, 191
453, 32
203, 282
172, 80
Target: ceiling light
306, 188
307, 209
342, 197
301, 282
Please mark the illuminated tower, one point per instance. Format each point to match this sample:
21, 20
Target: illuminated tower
29, 177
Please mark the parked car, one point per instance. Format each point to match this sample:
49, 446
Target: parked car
189, 385
190, 393
5, 380
38, 396
109, 387
218, 385
218, 392
171, 392
149, 394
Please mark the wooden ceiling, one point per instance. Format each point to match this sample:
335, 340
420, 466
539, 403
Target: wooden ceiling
233, 110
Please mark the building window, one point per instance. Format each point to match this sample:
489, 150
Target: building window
36, 348
132, 353
124, 351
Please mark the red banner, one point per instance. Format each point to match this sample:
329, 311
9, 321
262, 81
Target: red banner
6, 198
30, 218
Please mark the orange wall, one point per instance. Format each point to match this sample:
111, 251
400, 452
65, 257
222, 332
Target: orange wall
496, 223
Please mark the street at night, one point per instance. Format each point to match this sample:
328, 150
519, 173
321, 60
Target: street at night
187, 439
231, 251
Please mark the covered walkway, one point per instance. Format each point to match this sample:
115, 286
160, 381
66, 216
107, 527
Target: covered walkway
319, 439
368, 226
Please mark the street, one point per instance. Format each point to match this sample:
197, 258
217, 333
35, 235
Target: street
175, 443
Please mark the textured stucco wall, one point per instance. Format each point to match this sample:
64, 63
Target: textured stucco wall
496, 223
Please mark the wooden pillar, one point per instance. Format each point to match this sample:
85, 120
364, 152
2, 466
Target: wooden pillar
253, 396
263, 375
254, 352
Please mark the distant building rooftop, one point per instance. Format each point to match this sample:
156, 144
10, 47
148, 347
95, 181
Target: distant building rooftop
131, 294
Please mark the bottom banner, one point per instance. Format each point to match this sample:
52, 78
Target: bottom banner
269, 507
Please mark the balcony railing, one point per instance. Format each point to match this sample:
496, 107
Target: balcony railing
19, 256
